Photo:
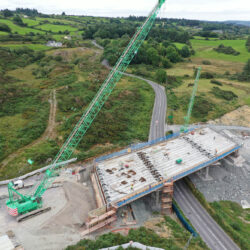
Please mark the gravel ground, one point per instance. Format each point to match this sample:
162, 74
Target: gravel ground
229, 181
57, 228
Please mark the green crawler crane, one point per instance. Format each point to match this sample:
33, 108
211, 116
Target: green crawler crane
26, 204
184, 128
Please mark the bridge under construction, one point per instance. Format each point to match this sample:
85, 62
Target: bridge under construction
123, 177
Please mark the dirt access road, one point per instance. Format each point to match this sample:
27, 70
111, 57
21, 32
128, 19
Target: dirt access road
48, 133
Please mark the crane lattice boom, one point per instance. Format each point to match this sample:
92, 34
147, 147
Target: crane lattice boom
93, 109
191, 103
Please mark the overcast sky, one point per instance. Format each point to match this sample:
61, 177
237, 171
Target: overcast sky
216, 10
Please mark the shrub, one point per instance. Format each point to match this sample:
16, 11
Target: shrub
206, 62
58, 58
17, 20
207, 75
226, 50
216, 82
202, 107
4, 27
185, 52
248, 44
166, 63
161, 76
223, 94
169, 132
245, 75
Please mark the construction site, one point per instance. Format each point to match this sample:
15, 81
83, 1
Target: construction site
116, 191
121, 190
118, 181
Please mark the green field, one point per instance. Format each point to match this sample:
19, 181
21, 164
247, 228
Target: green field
56, 28
204, 49
32, 46
30, 22
20, 30
53, 20
58, 37
179, 45
3, 33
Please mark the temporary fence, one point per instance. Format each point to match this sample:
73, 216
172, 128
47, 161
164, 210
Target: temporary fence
184, 221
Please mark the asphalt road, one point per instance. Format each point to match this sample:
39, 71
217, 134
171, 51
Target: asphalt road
208, 229
157, 126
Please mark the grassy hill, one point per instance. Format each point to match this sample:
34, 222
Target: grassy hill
74, 71
124, 119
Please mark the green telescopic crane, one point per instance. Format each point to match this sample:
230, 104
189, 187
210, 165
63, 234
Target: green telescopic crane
26, 203
184, 128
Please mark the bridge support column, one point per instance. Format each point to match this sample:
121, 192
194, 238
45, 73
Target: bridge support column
235, 153
205, 175
167, 198
206, 172
157, 198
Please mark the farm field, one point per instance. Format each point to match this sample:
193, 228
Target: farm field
204, 49
35, 47
20, 30
56, 28
30, 22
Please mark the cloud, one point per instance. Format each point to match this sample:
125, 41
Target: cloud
195, 9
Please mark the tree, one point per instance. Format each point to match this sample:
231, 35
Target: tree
17, 20
153, 56
185, 52
161, 76
245, 76
4, 27
7, 13
63, 14
173, 55
166, 63
248, 44
246, 69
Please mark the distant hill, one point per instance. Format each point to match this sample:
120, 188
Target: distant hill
246, 23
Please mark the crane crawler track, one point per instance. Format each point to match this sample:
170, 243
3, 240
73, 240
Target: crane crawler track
32, 214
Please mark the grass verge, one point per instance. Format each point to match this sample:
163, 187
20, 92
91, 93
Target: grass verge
177, 240
229, 215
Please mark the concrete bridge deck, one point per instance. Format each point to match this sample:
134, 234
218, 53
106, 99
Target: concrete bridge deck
128, 177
